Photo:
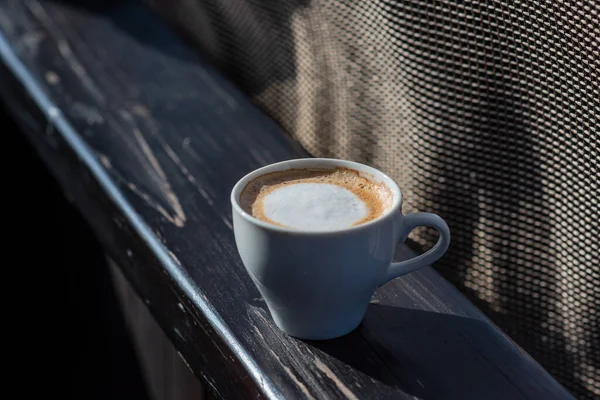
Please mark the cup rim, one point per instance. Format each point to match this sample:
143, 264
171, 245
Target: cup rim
297, 163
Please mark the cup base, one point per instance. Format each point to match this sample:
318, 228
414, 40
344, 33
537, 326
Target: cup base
318, 334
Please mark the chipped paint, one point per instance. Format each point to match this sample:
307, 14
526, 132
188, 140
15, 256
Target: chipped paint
88, 113
105, 161
174, 257
338, 383
292, 376
32, 41
179, 218
187, 174
258, 333
226, 221
52, 78
65, 50
141, 111
178, 333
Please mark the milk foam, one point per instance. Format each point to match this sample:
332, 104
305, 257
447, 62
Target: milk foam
314, 206
315, 199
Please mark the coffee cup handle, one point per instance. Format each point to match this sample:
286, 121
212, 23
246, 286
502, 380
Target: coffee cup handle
410, 222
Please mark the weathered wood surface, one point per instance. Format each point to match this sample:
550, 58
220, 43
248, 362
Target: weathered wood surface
147, 140
166, 375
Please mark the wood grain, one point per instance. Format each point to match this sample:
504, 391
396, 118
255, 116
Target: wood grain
147, 139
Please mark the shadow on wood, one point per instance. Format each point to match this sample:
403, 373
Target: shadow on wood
424, 353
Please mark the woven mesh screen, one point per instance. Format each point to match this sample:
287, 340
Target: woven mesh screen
485, 112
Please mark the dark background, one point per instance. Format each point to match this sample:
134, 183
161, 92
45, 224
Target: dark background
68, 332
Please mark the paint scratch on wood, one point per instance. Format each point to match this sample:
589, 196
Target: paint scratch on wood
185, 361
105, 161
422, 295
52, 78
65, 50
187, 174
258, 333
148, 153
32, 41
178, 333
179, 218
338, 383
77, 68
174, 220
90, 114
292, 376
259, 313
174, 257
229, 224
141, 111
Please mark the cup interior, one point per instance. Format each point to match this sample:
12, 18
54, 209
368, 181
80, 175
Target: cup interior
372, 174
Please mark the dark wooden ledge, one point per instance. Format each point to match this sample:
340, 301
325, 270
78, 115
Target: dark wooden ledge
147, 139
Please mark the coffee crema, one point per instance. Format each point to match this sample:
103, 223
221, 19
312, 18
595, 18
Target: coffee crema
315, 199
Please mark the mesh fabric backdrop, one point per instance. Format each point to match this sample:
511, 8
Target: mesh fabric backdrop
485, 112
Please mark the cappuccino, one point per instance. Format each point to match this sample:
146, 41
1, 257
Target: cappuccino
315, 199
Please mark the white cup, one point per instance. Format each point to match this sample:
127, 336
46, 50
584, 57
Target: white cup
317, 285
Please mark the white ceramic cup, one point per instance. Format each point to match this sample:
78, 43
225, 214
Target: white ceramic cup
317, 285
